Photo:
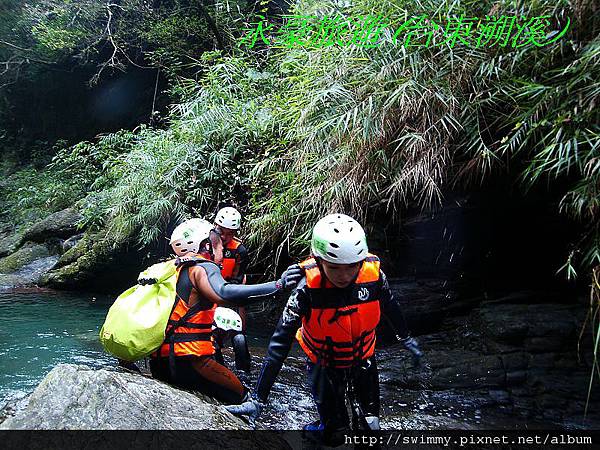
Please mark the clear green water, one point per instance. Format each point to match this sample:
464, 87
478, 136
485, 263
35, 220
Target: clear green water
40, 329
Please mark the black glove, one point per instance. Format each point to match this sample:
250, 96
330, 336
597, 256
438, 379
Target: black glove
250, 407
412, 346
290, 277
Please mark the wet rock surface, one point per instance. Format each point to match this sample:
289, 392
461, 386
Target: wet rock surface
92, 263
512, 355
26, 256
77, 397
55, 253
23, 256
9, 241
25, 266
508, 361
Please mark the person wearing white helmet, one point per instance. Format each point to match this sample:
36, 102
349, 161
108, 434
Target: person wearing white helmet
234, 264
235, 256
333, 313
189, 236
186, 356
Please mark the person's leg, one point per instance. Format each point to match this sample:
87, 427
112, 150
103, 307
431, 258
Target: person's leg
218, 381
219, 342
159, 368
240, 350
129, 365
242, 313
203, 374
328, 391
366, 389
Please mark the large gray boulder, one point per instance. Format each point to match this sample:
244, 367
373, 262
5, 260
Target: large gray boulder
9, 242
61, 224
74, 397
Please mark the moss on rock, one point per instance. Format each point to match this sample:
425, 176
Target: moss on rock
25, 255
94, 263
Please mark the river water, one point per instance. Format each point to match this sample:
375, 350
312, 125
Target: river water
41, 329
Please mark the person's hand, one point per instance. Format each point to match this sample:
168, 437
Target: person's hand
412, 346
290, 277
250, 408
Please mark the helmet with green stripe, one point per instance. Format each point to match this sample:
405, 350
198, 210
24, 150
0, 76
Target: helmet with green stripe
188, 236
339, 239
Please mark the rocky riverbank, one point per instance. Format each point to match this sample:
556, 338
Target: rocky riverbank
500, 350
509, 359
77, 397
523, 354
55, 253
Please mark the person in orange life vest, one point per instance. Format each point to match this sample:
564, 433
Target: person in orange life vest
234, 263
333, 314
186, 356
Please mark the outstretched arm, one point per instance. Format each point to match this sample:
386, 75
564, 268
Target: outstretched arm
392, 311
281, 342
206, 277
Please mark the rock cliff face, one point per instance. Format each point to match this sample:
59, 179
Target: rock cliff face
60, 225
93, 264
28, 255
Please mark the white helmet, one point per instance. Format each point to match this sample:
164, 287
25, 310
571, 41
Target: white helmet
229, 217
188, 236
227, 319
339, 239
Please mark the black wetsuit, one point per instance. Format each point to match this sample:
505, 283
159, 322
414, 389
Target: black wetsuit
241, 264
328, 385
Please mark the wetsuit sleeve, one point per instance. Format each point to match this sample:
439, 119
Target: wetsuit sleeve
242, 265
281, 341
237, 294
391, 309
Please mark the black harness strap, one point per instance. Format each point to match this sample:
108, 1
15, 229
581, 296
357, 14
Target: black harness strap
189, 337
183, 291
197, 326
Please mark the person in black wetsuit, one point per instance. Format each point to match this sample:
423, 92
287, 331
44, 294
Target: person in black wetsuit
333, 314
186, 357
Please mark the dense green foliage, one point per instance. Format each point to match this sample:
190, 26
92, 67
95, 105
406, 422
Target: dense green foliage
289, 134
57, 56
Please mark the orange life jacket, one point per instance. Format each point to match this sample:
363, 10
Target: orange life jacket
230, 258
340, 328
193, 334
